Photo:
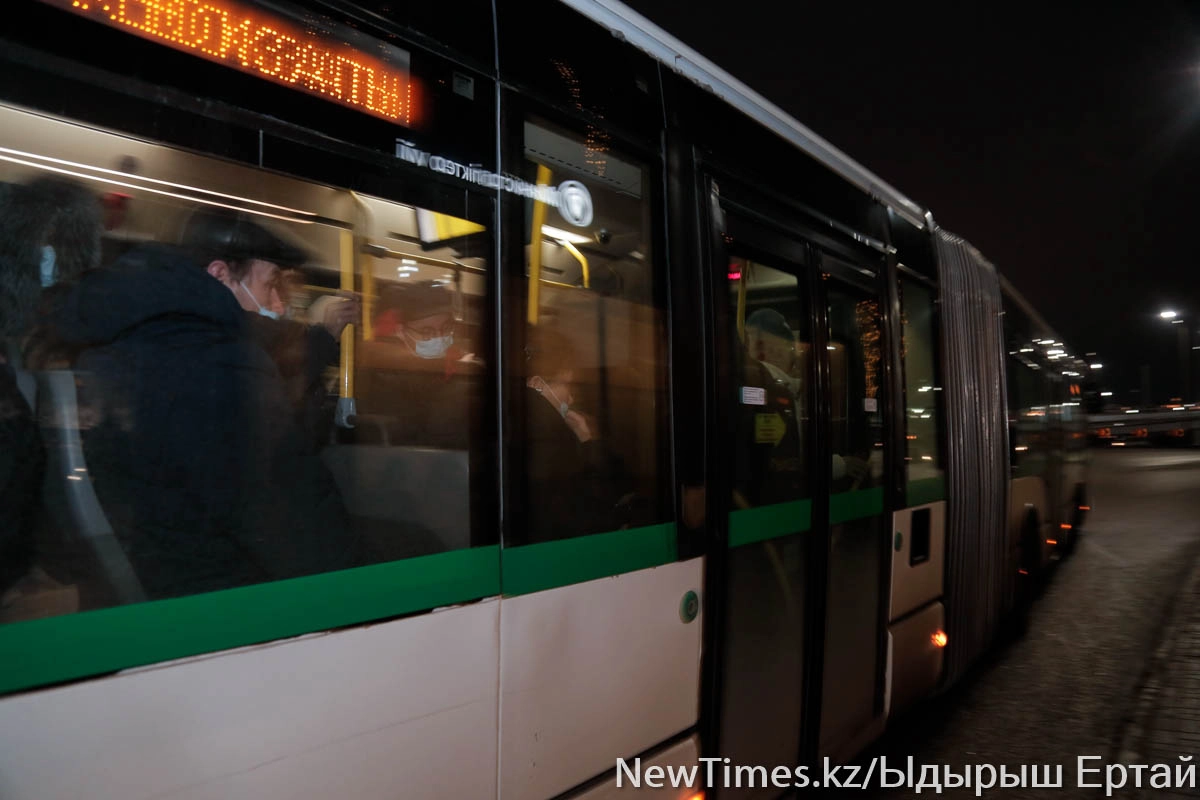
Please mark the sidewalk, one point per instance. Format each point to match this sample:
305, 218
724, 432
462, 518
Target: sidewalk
1166, 724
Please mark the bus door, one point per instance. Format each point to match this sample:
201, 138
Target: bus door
801, 650
852, 706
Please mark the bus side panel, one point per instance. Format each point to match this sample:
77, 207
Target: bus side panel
595, 671
400, 709
918, 567
685, 754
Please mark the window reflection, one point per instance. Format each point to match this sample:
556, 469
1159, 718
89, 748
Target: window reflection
250, 377
593, 375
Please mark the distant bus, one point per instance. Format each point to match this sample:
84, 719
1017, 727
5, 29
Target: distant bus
719, 447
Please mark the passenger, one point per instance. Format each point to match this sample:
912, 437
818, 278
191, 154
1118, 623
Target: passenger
223, 240
573, 483
49, 235
777, 473
197, 456
417, 375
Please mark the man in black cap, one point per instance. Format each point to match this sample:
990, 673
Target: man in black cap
249, 261
198, 454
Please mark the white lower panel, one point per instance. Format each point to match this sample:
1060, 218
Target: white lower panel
401, 709
678, 758
593, 672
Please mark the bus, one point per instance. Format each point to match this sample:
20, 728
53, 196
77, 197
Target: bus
667, 435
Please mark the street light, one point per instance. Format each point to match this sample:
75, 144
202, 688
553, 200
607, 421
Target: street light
1185, 349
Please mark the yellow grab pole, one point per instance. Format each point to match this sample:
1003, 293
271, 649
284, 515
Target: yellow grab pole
368, 299
345, 405
535, 247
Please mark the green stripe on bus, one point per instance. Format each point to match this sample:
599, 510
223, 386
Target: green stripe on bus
847, 506
926, 490
548, 565
39, 652
750, 525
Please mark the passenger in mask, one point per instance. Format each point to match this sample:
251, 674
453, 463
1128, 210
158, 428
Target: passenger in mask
417, 376
50, 235
199, 455
254, 265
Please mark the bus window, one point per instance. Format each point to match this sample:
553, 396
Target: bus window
924, 471
594, 373
774, 353
245, 389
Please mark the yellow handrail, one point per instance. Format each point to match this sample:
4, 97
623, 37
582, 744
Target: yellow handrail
535, 247
346, 384
583, 262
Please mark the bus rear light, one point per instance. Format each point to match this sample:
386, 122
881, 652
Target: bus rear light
1085, 508
1065, 526
697, 796
1052, 541
939, 639
1023, 571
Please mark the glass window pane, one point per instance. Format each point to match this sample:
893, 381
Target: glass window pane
856, 380
773, 351
922, 394
229, 370
596, 453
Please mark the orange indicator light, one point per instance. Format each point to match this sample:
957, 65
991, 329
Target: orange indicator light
1065, 526
1052, 541
1085, 508
939, 639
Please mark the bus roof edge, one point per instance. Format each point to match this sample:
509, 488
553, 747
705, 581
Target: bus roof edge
627, 24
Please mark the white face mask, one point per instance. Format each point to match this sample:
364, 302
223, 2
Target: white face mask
433, 348
266, 312
563, 406
49, 269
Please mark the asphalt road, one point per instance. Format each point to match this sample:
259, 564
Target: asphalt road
1070, 687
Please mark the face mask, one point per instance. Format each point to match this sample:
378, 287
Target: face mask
433, 348
48, 267
563, 407
266, 312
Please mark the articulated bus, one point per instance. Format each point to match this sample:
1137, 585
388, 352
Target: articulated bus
829, 451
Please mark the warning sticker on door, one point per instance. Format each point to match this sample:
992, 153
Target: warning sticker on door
754, 396
769, 428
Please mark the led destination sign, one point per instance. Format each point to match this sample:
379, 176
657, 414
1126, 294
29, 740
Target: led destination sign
312, 55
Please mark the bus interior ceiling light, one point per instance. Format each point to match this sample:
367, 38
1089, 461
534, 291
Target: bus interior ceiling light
566, 236
155, 181
176, 195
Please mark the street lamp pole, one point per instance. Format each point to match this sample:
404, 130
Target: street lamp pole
1185, 350
1185, 359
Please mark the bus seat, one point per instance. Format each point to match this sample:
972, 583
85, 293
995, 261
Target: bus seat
421, 491
70, 500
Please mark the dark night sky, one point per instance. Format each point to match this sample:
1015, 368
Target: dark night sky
1063, 143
